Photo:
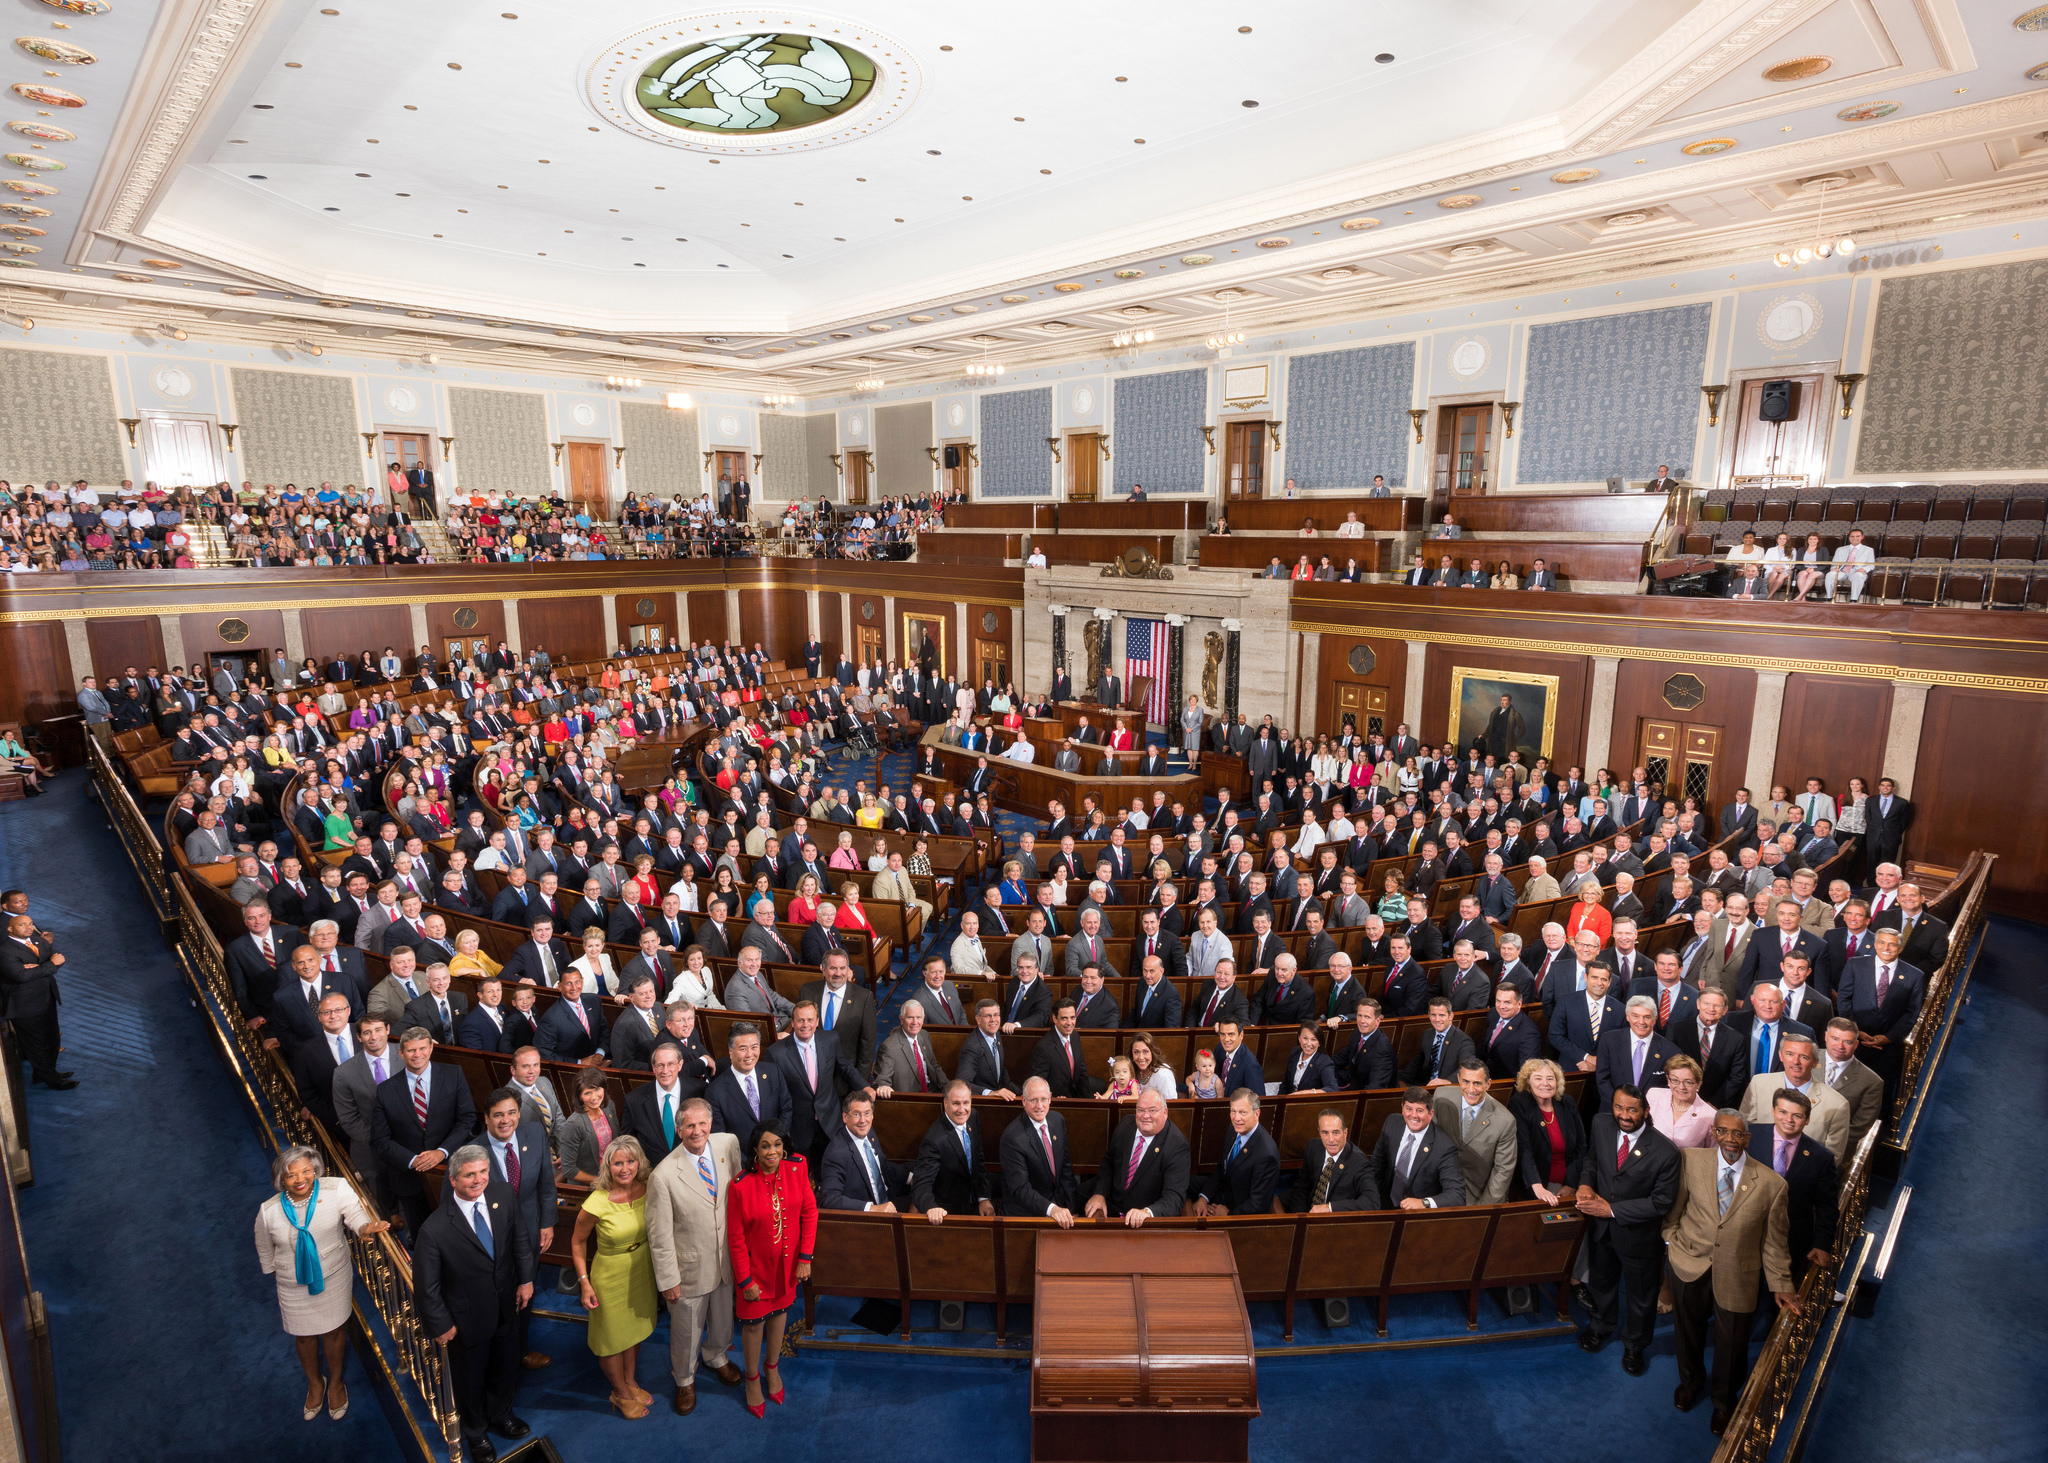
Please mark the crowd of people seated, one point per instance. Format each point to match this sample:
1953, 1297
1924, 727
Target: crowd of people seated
54, 529
1778, 1011
886, 529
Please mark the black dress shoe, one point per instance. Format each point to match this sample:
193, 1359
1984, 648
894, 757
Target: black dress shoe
481, 1451
1633, 1361
511, 1427
56, 1083
1719, 1422
1685, 1399
1590, 1341
1584, 1296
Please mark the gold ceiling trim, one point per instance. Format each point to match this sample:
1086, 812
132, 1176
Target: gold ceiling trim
2024, 685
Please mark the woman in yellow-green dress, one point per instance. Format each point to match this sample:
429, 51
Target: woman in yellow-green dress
609, 1251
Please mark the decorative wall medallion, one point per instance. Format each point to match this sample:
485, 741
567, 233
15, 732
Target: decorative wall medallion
1460, 200
62, 52
23, 231
1867, 112
989, 622
1196, 258
25, 210
42, 131
232, 630
1789, 321
584, 414
1015, 299
1130, 274
1708, 147
48, 96
1469, 251
1684, 691
1797, 69
35, 162
2035, 19
719, 83
81, 7
1084, 401
1069, 288
729, 427
13, 248
1575, 175
1275, 243
856, 425
403, 400
1627, 220
2039, 73
956, 415
867, 609
32, 187
1361, 659
645, 607
465, 618
1469, 357
173, 382
1356, 225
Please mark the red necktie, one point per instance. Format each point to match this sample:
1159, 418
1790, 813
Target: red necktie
1209, 1011
419, 1103
923, 1082
1728, 950
1045, 1137
1621, 1156
512, 1164
1664, 1007
1137, 1152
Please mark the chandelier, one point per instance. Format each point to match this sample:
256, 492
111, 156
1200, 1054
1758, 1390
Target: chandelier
868, 383
778, 401
622, 383
1822, 246
1125, 339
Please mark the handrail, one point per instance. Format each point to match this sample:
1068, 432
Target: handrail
382, 1264
1781, 1374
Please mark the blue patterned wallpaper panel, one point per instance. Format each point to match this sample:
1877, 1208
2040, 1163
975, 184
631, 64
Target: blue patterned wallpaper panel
1615, 394
1347, 416
1157, 433
1015, 462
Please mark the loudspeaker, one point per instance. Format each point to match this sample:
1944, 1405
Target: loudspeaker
952, 457
952, 1315
1336, 1312
1775, 403
1520, 1300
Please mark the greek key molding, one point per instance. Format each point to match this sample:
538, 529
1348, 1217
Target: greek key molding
2023, 685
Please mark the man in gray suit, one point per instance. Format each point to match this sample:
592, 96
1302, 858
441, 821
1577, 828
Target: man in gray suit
1068, 759
939, 996
1859, 1086
749, 990
1727, 945
1483, 1131
398, 990
908, 1063
209, 843
521, 1160
355, 1093
98, 714
1032, 942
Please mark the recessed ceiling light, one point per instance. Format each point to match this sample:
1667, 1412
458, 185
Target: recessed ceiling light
507, 15
1247, 104
332, 209
1016, 119
590, 129
371, 140
401, 195
789, 256
945, 48
681, 240
1384, 57
860, 180
1123, 78
931, 152
967, 198
1139, 140
411, 108
899, 220
544, 160
1045, 170
260, 177
837, 239
454, 65
265, 107
1244, 30
362, 175
330, 12
293, 66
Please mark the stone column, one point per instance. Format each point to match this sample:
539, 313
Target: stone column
512, 627
682, 618
611, 622
1600, 714
888, 627
173, 630
295, 634
1105, 619
417, 613
1305, 692
1902, 737
1176, 664
1763, 733
732, 617
80, 645
812, 618
1233, 631
1411, 694
1059, 615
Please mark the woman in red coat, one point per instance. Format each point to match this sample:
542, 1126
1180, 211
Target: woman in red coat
771, 1227
1588, 914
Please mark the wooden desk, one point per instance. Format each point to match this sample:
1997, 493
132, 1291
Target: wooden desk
1102, 718
1038, 783
1141, 1349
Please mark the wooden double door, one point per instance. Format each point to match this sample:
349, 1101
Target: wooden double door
1364, 706
1789, 454
589, 478
1681, 757
1463, 434
1244, 459
1084, 467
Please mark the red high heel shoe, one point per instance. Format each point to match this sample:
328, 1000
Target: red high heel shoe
759, 1409
776, 1395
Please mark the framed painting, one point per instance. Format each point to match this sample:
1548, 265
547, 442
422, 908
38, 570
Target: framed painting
918, 630
1503, 710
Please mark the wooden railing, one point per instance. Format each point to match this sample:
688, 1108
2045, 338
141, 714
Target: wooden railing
1788, 1372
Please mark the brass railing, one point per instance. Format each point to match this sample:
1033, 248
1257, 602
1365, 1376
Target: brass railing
397, 1347
1783, 1374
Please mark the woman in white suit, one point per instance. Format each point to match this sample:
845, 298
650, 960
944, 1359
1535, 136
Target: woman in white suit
299, 1239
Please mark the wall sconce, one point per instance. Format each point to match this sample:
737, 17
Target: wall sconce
622, 383
758, 456
1054, 444
229, 429
1713, 395
370, 445
1415, 415
1104, 439
1209, 436
707, 461
933, 454
24, 321
131, 423
618, 458
309, 348
1507, 415
973, 454
1276, 426
447, 448
838, 463
558, 452
1849, 383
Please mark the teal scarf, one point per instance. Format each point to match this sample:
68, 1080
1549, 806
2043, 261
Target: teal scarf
308, 1256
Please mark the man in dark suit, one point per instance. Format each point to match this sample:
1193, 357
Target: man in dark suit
1882, 995
1038, 1167
1769, 946
314, 1061
436, 1008
1285, 1000
1888, 816
854, 1175
637, 1029
488, 1025
1444, 1045
1811, 1181
1109, 690
258, 958
1245, 1180
1415, 1163
422, 1114
1926, 936
522, 1161
573, 1028
296, 1003
1058, 1057
951, 1173
1145, 1172
1635, 1054
1632, 1174
814, 1069
1763, 1029
473, 1262
653, 1111
1709, 1039
1510, 1038
1335, 1176
1235, 1065
846, 1009
983, 1066
1218, 1000
747, 1092
1367, 1063
1156, 1003
1675, 997
1406, 991
541, 959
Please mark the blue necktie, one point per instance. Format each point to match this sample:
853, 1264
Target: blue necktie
831, 1010
668, 1120
483, 1230
1235, 1149
704, 1171
1763, 1048
875, 1183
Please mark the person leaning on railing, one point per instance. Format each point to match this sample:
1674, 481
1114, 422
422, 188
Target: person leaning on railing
300, 1241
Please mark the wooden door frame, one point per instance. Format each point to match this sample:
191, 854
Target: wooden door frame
212, 421
1073, 461
1224, 422
433, 460
966, 446
866, 457
609, 473
1731, 419
1496, 440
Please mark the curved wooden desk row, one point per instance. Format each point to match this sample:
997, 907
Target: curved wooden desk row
1376, 1254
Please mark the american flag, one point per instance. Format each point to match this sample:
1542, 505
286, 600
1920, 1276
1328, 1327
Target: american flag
1145, 655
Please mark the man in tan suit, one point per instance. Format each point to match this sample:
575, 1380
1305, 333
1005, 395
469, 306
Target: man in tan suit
907, 1062
686, 1239
1483, 1131
1728, 942
894, 883
1541, 885
1829, 1124
1726, 1233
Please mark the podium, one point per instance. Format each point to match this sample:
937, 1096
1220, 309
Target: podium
1141, 1349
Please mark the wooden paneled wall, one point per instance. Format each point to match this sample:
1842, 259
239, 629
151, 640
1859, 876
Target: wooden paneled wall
779, 619
707, 616
37, 683
1573, 672
489, 627
1833, 728
1982, 783
1639, 696
567, 628
1388, 670
136, 640
650, 607
202, 633
351, 632
831, 605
